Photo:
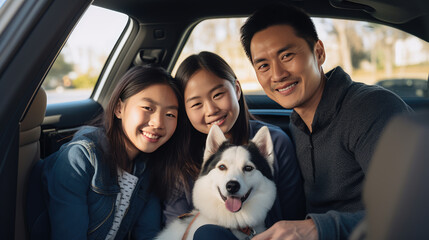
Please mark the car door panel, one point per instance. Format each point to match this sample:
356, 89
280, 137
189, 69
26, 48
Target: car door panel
62, 120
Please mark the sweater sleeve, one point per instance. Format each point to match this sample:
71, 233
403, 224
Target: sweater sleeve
374, 110
369, 113
336, 225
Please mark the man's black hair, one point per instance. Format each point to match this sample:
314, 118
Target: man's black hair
278, 14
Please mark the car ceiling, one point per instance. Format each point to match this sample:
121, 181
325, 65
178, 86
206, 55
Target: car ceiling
411, 16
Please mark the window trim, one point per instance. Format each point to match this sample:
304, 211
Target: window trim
113, 60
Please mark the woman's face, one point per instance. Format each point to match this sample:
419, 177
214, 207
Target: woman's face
210, 100
149, 118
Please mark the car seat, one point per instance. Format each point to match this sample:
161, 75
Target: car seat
29, 154
395, 192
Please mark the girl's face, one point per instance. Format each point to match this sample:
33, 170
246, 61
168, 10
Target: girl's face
210, 100
149, 118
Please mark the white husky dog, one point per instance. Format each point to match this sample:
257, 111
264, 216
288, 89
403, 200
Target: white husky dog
235, 188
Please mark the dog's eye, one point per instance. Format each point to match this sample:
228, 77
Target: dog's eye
248, 168
222, 167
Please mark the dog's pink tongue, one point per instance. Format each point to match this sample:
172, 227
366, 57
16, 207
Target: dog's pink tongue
233, 204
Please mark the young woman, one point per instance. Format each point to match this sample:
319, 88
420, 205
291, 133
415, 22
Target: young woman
212, 95
106, 183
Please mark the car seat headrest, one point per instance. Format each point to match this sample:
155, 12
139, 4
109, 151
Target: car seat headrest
395, 192
36, 113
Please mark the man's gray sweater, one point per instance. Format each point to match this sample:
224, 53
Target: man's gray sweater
335, 156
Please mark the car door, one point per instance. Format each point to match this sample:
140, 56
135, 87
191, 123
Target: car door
31, 35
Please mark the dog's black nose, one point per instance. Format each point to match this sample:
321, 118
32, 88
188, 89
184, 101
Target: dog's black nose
232, 186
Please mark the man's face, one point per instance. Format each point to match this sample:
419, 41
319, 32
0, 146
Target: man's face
287, 69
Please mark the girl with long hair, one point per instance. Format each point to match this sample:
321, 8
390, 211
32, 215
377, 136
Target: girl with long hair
107, 182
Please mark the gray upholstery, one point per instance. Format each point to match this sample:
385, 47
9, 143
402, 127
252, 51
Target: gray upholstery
29, 153
396, 192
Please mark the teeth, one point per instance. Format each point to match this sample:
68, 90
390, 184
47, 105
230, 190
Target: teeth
288, 87
151, 136
217, 122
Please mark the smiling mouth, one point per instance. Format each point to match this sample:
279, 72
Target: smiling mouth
289, 87
234, 203
151, 136
219, 121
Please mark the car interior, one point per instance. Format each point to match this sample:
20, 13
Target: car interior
33, 34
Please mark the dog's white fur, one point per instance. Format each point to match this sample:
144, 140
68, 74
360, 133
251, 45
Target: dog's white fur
210, 204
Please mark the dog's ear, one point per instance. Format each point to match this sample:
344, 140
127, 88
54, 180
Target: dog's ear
214, 140
263, 141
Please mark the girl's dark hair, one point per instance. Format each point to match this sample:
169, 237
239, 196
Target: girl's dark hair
166, 163
215, 64
276, 14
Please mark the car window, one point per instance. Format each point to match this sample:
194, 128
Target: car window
77, 68
369, 52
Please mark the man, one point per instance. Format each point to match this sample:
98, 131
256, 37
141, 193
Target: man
335, 122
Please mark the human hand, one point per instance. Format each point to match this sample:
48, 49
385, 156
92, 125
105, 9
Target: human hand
290, 230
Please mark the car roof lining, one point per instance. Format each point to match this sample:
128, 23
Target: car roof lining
411, 16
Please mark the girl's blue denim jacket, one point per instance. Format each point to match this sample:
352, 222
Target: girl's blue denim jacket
82, 193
